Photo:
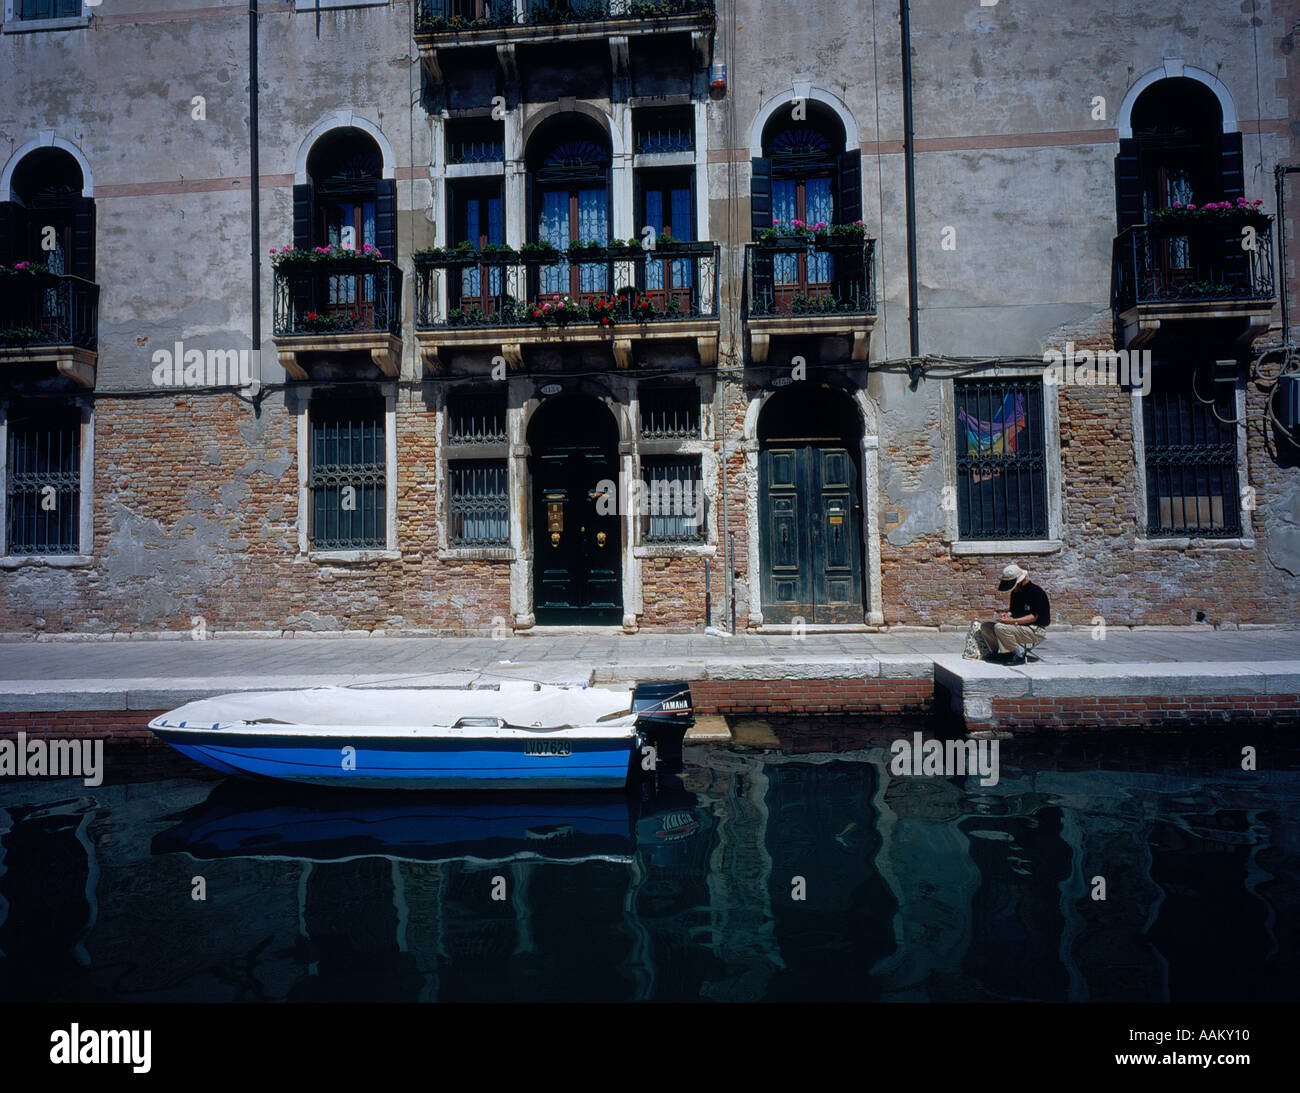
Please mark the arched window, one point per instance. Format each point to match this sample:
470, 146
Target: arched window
345, 168
569, 185
347, 202
1178, 152
805, 176
48, 220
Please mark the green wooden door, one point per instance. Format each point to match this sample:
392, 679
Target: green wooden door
810, 535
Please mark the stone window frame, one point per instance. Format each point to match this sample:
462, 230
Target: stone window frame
701, 447
14, 25
1054, 542
448, 453
1141, 541
390, 551
86, 505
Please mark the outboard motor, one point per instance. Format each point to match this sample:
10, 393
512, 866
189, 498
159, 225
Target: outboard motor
664, 712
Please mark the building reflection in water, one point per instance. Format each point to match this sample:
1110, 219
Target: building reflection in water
914, 888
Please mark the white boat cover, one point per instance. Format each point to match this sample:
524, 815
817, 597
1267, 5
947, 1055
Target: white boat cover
525, 704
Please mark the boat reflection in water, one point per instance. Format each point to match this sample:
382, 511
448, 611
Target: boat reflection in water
242, 821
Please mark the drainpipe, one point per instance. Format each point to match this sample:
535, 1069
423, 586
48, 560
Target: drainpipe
254, 192
1279, 174
909, 169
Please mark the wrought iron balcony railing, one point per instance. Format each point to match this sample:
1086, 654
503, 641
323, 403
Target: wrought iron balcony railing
455, 16
338, 297
47, 309
798, 278
598, 288
1204, 265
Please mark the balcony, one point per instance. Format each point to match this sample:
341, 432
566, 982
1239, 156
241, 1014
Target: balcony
1164, 281
338, 306
801, 287
442, 25
50, 318
620, 296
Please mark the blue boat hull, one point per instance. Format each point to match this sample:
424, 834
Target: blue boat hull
473, 763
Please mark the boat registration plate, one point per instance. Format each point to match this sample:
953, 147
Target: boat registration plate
547, 747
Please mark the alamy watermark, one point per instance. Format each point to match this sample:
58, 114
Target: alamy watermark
23, 758
1105, 368
945, 758
181, 367
662, 497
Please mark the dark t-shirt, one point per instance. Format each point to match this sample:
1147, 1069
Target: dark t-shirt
1028, 599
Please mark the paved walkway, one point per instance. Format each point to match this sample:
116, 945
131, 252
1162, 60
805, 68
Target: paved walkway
566, 655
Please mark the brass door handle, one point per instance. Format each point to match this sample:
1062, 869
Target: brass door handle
555, 538
600, 538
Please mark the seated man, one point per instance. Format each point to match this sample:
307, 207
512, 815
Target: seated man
1023, 624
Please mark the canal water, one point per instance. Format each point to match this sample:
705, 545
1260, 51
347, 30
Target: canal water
798, 867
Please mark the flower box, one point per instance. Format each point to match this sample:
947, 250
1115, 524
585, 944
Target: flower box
539, 253
1220, 216
313, 323
286, 258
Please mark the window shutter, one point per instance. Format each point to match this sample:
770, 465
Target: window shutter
1234, 175
760, 195
386, 217
83, 238
13, 232
1128, 184
849, 200
304, 216
760, 219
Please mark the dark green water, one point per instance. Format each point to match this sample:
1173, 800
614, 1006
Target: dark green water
914, 888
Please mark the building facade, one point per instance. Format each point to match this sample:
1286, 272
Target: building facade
642, 314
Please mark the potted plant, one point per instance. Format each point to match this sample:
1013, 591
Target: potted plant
539, 253
793, 236
494, 253
1227, 216
25, 269
467, 315
18, 335
625, 249
586, 250
603, 311
332, 253
836, 236
315, 323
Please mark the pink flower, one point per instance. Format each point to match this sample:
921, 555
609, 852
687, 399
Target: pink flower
1178, 204
21, 265
776, 223
1191, 208
857, 223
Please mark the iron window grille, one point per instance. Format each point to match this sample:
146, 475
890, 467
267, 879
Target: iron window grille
474, 140
43, 487
49, 9
348, 476
663, 130
476, 419
673, 510
1191, 456
478, 510
1001, 463
670, 413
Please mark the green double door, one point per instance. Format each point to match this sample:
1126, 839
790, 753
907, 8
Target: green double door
810, 521
577, 549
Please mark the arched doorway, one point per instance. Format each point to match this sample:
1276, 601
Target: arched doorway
809, 507
577, 541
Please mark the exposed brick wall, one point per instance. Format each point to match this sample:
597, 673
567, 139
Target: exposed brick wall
114, 725
813, 696
1155, 712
